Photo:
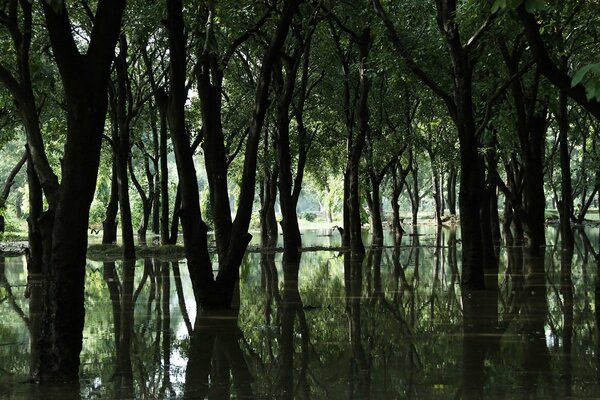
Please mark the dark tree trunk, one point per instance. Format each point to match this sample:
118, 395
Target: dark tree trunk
109, 225
195, 238
36, 208
413, 191
451, 191
215, 156
398, 183
147, 203
565, 205
156, 195
268, 196
227, 278
124, 367
375, 212
121, 141
174, 229
194, 229
285, 85
476, 235
531, 129
85, 85
364, 42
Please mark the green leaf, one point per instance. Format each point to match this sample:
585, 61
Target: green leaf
580, 74
498, 4
535, 5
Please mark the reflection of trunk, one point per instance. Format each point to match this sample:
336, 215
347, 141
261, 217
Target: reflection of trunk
124, 368
110, 277
291, 305
597, 319
180, 296
35, 321
480, 340
166, 323
566, 260
214, 356
270, 284
536, 363
353, 289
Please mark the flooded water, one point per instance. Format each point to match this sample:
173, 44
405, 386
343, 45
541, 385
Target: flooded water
392, 325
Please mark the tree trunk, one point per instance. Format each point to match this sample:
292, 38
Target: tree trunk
121, 140
109, 225
289, 223
85, 85
36, 208
565, 205
451, 191
268, 195
375, 211
194, 229
228, 276
354, 205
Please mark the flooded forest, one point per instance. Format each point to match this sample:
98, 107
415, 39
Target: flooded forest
303, 199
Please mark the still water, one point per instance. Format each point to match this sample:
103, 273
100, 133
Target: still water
392, 325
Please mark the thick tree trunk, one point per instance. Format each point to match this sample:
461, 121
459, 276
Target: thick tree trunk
85, 84
215, 157
354, 205
36, 208
289, 223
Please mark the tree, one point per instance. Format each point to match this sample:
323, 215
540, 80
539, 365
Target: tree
84, 78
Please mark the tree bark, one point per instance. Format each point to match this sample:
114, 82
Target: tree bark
565, 207
109, 225
84, 80
285, 86
194, 229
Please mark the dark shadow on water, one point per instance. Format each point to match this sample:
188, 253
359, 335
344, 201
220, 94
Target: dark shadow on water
216, 364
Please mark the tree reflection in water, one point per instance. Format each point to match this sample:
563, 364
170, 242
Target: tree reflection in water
391, 324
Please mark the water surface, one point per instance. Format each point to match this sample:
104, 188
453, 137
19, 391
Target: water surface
394, 324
